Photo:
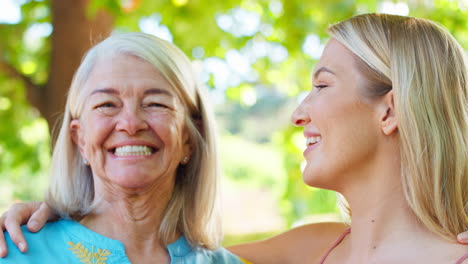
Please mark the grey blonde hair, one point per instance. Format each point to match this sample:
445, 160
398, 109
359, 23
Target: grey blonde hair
427, 71
193, 209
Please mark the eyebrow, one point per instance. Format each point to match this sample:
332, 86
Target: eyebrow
105, 90
157, 91
322, 69
147, 92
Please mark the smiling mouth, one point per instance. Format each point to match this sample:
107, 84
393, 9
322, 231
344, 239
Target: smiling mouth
313, 140
126, 151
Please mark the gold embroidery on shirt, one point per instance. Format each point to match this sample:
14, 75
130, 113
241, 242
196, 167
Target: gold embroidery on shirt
89, 257
245, 261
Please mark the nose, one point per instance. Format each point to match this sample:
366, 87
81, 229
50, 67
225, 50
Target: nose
131, 121
300, 117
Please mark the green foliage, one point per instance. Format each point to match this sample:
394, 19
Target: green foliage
24, 147
256, 165
24, 139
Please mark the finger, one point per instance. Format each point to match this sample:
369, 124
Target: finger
40, 217
463, 238
17, 215
2, 221
16, 235
3, 247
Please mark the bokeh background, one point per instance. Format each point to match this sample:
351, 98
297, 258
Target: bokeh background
255, 57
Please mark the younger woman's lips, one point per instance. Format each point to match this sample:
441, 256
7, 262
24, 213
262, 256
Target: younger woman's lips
310, 148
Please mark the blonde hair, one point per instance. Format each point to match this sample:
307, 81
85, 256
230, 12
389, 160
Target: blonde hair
193, 209
426, 69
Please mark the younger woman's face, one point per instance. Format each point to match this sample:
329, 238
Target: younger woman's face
340, 127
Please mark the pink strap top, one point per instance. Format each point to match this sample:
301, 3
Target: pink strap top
463, 258
337, 242
348, 230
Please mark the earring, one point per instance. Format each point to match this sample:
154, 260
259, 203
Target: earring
185, 160
85, 162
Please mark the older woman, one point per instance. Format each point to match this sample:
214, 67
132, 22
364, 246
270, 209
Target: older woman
386, 126
134, 170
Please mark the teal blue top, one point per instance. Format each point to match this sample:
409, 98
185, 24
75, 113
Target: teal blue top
69, 242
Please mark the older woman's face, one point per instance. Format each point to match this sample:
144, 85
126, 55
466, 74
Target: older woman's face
340, 128
132, 127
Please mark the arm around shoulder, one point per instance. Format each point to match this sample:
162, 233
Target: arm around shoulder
298, 245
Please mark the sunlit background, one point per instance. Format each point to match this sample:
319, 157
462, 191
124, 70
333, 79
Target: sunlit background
254, 56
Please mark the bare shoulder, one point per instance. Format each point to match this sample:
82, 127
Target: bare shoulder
458, 252
434, 250
305, 243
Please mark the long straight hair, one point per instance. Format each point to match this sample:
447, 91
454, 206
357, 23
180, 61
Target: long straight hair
426, 69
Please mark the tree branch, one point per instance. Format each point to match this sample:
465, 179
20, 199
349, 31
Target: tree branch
32, 89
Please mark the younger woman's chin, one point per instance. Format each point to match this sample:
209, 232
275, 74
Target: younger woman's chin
319, 180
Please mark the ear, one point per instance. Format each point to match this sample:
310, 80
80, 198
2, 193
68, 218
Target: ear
76, 135
187, 146
388, 119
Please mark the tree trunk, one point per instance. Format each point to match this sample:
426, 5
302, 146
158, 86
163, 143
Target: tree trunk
74, 33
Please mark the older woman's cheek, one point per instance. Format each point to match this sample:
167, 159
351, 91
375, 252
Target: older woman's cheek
97, 131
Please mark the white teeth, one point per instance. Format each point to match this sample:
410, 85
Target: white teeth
133, 151
313, 140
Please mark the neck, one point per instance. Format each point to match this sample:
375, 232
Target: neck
381, 217
382, 222
136, 217
384, 229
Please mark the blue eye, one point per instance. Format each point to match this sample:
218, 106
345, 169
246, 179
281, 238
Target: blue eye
106, 105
